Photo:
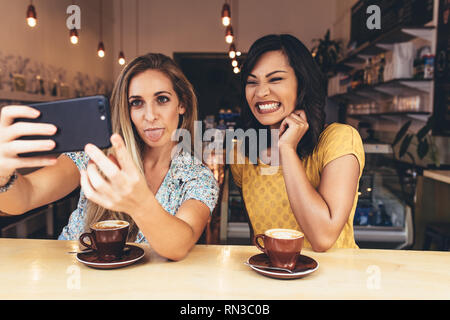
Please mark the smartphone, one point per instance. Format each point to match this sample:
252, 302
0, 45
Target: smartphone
79, 121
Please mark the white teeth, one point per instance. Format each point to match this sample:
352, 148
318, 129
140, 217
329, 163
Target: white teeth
268, 106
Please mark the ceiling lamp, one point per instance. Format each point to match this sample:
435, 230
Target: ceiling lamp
226, 15
73, 36
31, 15
121, 58
229, 35
101, 50
101, 46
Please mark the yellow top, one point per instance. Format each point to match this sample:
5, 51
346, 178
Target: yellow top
265, 195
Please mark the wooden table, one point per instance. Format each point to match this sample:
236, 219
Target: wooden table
43, 269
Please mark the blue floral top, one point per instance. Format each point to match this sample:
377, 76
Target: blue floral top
186, 179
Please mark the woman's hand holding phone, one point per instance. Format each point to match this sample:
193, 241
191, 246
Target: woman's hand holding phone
292, 129
10, 147
121, 187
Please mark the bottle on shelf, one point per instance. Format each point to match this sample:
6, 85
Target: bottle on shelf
368, 72
381, 65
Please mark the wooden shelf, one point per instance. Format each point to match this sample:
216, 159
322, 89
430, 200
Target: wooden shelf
385, 90
383, 43
26, 97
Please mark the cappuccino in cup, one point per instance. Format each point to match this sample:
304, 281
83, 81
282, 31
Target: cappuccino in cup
107, 238
110, 224
282, 246
283, 233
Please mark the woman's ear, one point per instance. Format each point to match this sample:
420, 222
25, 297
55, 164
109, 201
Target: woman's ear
181, 109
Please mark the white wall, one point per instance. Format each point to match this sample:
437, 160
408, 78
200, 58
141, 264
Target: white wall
195, 26
48, 42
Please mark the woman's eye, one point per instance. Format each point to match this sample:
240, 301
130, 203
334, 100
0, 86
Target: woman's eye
162, 99
275, 79
250, 82
136, 103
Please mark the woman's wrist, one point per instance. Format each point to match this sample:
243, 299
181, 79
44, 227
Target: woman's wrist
7, 181
285, 149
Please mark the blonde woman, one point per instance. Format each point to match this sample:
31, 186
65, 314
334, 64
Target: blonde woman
166, 198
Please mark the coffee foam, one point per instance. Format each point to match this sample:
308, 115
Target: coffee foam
284, 233
110, 224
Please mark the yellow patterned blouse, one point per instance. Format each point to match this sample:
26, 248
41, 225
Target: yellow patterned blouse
265, 195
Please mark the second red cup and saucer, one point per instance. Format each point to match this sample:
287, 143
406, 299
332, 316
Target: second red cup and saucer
305, 265
282, 248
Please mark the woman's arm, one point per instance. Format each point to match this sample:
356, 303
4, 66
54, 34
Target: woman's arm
126, 190
172, 236
41, 187
56, 179
321, 213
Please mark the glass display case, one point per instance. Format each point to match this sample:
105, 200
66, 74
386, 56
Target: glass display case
382, 217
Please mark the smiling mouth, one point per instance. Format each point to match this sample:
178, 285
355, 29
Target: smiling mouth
154, 134
267, 107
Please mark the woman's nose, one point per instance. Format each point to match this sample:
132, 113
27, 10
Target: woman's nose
150, 113
262, 90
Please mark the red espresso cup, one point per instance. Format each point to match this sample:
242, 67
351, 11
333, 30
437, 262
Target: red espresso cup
107, 238
282, 246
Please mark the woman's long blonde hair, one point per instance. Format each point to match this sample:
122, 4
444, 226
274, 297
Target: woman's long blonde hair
122, 124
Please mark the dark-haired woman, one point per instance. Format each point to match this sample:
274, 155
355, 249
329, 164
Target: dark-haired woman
314, 189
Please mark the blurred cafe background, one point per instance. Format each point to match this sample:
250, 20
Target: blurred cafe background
391, 84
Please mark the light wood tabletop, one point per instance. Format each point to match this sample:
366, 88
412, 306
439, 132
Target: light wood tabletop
43, 269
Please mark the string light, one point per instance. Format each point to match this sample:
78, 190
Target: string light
234, 63
31, 15
232, 51
236, 70
229, 34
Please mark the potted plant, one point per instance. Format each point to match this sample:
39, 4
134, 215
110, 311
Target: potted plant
326, 53
425, 146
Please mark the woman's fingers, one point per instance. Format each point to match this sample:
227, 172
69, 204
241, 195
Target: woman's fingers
108, 167
121, 153
98, 182
16, 147
88, 189
10, 113
20, 129
32, 162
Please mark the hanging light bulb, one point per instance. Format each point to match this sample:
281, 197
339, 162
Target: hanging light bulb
229, 35
232, 51
121, 58
226, 15
31, 16
73, 36
234, 63
238, 53
101, 50
236, 70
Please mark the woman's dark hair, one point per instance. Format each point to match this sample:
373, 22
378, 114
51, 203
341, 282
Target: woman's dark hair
311, 91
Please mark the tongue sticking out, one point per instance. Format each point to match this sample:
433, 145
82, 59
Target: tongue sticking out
154, 134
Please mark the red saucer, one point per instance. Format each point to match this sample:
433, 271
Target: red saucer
132, 254
305, 265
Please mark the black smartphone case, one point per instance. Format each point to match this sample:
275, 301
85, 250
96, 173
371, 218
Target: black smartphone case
79, 121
